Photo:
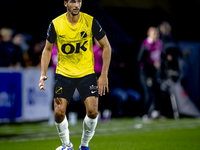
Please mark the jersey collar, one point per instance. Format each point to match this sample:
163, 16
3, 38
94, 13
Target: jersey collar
70, 25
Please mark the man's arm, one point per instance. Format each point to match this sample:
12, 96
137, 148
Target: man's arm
103, 79
46, 56
100, 35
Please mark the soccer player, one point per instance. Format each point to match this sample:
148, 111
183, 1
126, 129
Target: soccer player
73, 34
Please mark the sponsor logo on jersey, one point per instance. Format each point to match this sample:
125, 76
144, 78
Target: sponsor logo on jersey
72, 48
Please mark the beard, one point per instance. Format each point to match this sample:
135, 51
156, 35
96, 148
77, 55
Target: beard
74, 12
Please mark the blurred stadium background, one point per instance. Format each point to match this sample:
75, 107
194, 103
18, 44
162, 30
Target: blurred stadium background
24, 110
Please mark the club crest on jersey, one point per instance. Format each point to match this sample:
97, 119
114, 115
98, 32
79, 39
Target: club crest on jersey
83, 34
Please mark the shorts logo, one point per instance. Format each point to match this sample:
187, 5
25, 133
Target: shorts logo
93, 89
93, 92
58, 90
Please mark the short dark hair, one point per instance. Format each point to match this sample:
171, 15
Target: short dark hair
66, 0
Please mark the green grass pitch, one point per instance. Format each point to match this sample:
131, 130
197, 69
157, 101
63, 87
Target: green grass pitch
118, 134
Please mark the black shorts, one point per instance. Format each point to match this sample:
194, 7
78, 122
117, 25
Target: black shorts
65, 87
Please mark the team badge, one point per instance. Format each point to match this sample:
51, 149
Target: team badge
58, 90
83, 34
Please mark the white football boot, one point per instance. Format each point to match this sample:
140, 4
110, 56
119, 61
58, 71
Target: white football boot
64, 147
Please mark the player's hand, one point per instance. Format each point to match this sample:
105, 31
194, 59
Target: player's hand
41, 83
103, 85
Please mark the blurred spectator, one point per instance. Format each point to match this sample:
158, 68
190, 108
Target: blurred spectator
166, 36
149, 57
36, 53
98, 62
19, 40
54, 58
170, 51
22, 41
10, 54
172, 67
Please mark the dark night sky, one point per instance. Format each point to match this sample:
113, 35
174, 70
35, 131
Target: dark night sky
33, 17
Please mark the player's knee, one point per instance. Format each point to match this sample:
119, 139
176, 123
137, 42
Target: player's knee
92, 113
59, 109
59, 115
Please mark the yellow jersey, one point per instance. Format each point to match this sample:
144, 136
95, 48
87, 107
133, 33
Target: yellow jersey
74, 44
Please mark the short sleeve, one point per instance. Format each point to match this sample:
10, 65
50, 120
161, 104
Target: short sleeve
97, 30
51, 33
